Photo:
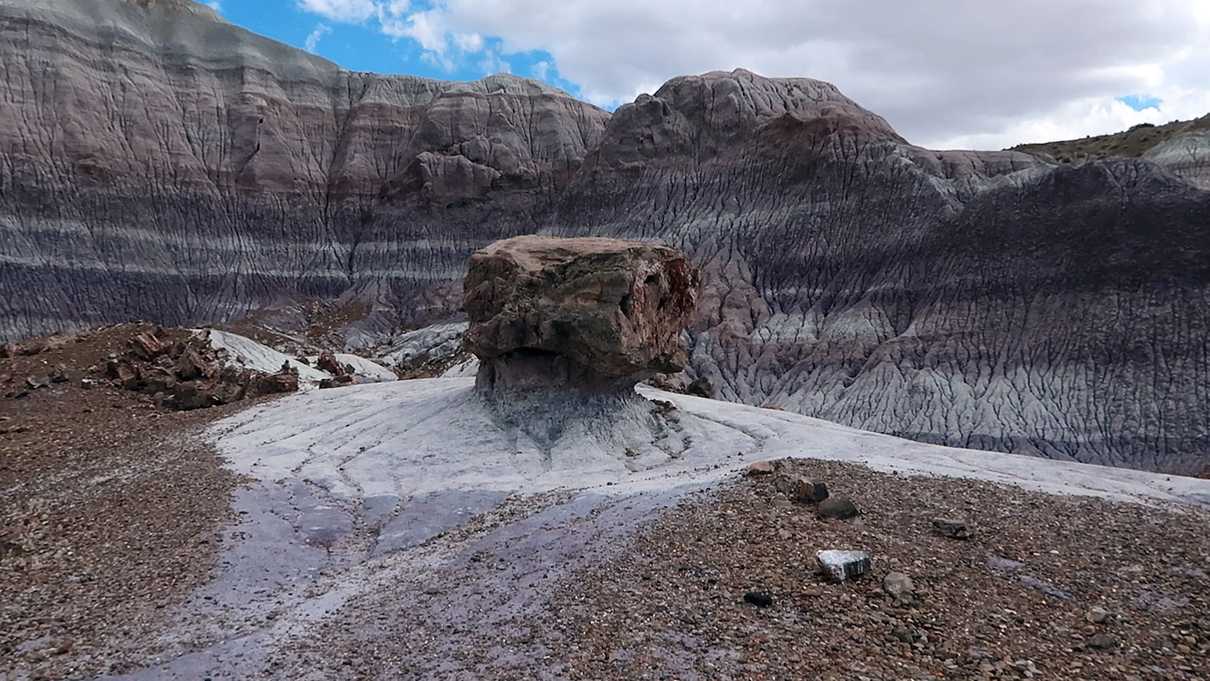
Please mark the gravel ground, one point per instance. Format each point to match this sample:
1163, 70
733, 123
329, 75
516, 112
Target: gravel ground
109, 510
672, 604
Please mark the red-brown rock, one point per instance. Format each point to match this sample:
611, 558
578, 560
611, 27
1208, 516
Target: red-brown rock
272, 384
328, 362
147, 346
578, 311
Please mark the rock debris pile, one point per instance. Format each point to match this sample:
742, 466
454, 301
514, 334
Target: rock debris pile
188, 373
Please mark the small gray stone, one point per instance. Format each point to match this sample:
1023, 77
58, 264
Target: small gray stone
900, 588
1098, 615
905, 634
1004, 565
841, 508
785, 484
1101, 641
954, 529
1045, 587
843, 565
759, 468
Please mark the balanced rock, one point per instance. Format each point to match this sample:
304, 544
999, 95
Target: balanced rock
597, 315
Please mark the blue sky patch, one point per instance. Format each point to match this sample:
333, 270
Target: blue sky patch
1140, 102
366, 46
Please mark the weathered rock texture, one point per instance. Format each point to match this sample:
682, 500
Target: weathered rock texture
160, 164
587, 312
156, 163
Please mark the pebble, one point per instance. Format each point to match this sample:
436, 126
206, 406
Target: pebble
759, 468
900, 588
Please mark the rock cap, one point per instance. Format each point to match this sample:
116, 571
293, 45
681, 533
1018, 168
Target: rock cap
592, 312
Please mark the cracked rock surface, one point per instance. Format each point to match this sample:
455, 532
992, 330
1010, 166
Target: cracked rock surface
156, 163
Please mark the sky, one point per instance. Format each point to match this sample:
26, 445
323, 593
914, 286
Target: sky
974, 74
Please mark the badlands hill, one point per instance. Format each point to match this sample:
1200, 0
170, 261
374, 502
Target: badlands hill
157, 163
1141, 141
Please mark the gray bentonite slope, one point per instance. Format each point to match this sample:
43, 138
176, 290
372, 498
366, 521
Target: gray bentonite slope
158, 163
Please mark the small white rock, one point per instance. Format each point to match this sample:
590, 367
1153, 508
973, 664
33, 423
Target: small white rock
842, 565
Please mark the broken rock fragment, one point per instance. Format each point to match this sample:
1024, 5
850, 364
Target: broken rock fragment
336, 381
801, 490
328, 362
759, 468
838, 508
808, 492
954, 529
843, 565
148, 346
60, 374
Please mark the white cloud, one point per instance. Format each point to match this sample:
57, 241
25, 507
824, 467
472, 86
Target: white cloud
316, 35
425, 27
944, 72
439, 60
348, 11
541, 70
491, 63
469, 42
396, 8
214, 5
